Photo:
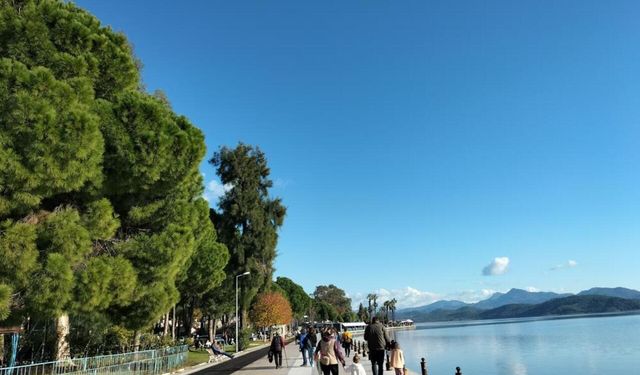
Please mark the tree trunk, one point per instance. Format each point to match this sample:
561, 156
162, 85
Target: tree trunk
211, 323
173, 324
136, 340
244, 315
1, 350
63, 350
188, 318
215, 328
166, 325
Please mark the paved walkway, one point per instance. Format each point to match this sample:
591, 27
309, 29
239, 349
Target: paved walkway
256, 363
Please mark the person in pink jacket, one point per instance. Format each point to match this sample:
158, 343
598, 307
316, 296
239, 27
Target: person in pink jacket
397, 359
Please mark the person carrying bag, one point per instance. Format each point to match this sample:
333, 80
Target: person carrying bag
277, 345
329, 354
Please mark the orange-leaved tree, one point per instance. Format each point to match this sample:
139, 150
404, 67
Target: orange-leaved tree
271, 308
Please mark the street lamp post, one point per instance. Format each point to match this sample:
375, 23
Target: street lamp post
238, 320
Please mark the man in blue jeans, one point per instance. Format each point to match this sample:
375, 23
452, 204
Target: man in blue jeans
303, 346
312, 341
218, 350
377, 342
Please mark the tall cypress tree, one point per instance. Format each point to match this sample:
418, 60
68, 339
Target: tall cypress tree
247, 219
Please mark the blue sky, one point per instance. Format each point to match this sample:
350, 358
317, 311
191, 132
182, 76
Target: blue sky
415, 142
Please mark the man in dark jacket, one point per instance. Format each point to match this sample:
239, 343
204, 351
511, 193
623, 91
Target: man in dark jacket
303, 346
377, 342
312, 341
277, 346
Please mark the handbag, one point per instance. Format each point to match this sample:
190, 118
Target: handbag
325, 360
270, 356
406, 371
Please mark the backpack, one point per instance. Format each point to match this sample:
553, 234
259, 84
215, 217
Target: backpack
276, 344
346, 338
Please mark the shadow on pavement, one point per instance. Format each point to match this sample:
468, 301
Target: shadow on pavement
235, 364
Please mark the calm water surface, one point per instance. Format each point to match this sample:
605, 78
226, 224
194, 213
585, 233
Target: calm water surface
585, 346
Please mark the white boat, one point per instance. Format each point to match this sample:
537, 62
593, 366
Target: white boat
355, 327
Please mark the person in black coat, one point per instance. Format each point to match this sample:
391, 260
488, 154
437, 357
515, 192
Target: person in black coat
277, 346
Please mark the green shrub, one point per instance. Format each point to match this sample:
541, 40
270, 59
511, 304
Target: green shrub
118, 339
245, 336
188, 341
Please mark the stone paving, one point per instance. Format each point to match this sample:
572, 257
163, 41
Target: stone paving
256, 363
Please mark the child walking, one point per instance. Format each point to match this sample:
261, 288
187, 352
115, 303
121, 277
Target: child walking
356, 368
397, 359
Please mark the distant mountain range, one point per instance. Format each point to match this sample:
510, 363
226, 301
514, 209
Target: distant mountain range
612, 292
517, 296
521, 303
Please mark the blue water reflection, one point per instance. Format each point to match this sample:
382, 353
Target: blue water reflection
586, 346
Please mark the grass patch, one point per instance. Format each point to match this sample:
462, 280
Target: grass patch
196, 357
253, 344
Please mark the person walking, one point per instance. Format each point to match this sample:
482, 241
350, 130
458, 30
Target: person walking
377, 340
312, 341
356, 367
302, 343
397, 359
277, 345
329, 354
347, 339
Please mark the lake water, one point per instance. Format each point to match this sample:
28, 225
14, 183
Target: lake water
585, 346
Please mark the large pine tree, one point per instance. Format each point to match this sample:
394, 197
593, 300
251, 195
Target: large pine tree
101, 214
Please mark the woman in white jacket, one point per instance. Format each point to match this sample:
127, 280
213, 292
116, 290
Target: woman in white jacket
356, 368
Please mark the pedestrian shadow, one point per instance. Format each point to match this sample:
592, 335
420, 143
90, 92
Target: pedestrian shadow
250, 368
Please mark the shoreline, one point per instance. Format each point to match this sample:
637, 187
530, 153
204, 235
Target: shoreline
401, 328
527, 319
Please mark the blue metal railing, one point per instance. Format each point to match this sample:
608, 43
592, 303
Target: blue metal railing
143, 362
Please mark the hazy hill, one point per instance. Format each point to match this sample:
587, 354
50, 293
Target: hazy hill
443, 310
517, 296
514, 296
612, 292
440, 305
585, 304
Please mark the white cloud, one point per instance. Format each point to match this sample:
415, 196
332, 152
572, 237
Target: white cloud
412, 297
569, 264
280, 183
214, 190
406, 297
498, 266
471, 296
532, 289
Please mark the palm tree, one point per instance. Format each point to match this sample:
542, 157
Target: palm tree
372, 306
362, 313
386, 307
392, 307
375, 304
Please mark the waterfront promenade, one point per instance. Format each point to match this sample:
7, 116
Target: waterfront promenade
256, 363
